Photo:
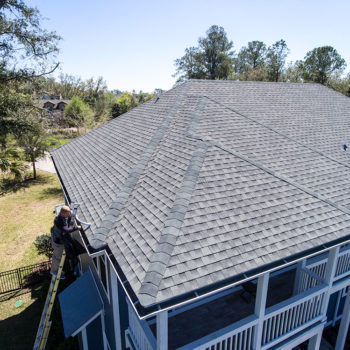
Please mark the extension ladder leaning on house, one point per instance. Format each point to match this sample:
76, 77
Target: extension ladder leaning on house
45, 321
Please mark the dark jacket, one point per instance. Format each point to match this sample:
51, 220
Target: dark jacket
61, 228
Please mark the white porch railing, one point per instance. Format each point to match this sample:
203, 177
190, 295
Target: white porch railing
311, 278
292, 315
343, 265
319, 268
140, 332
238, 336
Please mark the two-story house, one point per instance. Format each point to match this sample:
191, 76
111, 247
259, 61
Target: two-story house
220, 219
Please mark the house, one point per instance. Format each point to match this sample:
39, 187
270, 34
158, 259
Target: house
52, 105
220, 219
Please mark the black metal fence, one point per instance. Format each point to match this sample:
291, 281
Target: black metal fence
24, 277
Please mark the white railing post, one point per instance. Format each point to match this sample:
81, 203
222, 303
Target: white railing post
116, 310
329, 275
344, 324
315, 341
260, 305
298, 274
162, 330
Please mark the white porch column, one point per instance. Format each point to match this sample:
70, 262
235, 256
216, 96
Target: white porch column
162, 330
315, 341
344, 324
260, 304
116, 313
329, 275
298, 273
84, 338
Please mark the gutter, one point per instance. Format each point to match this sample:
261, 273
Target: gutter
193, 296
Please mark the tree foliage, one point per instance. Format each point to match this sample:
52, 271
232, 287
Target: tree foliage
250, 62
321, 63
33, 141
77, 113
43, 245
27, 51
276, 59
23, 41
212, 59
126, 102
11, 159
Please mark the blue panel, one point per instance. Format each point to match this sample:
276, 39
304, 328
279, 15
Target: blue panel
79, 303
341, 306
94, 334
331, 306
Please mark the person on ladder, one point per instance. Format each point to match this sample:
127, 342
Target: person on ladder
61, 239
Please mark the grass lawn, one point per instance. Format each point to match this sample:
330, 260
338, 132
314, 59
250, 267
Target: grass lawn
55, 142
18, 326
26, 212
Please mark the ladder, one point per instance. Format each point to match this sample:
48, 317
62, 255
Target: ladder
45, 322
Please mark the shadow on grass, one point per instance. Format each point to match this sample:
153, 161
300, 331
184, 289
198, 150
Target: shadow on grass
19, 331
8, 185
50, 192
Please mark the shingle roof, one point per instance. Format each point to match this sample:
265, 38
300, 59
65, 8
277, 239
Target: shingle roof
213, 179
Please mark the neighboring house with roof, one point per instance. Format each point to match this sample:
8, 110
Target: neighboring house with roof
220, 218
52, 105
54, 109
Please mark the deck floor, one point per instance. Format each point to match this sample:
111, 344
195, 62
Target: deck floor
207, 318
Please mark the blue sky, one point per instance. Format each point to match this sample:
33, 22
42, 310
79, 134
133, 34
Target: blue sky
133, 44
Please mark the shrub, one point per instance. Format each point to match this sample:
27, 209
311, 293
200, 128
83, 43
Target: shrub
43, 245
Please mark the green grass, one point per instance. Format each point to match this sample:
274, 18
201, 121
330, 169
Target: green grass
55, 142
18, 326
26, 212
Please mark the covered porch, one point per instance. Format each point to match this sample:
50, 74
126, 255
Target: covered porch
282, 307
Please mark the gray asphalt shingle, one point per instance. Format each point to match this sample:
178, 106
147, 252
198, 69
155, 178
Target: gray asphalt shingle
213, 179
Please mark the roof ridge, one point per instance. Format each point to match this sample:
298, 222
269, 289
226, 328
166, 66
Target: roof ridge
280, 133
102, 231
258, 82
172, 225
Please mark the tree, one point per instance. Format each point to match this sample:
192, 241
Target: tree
250, 62
34, 141
321, 63
212, 59
294, 72
27, 52
253, 55
275, 59
11, 159
77, 113
23, 42
125, 102
43, 245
